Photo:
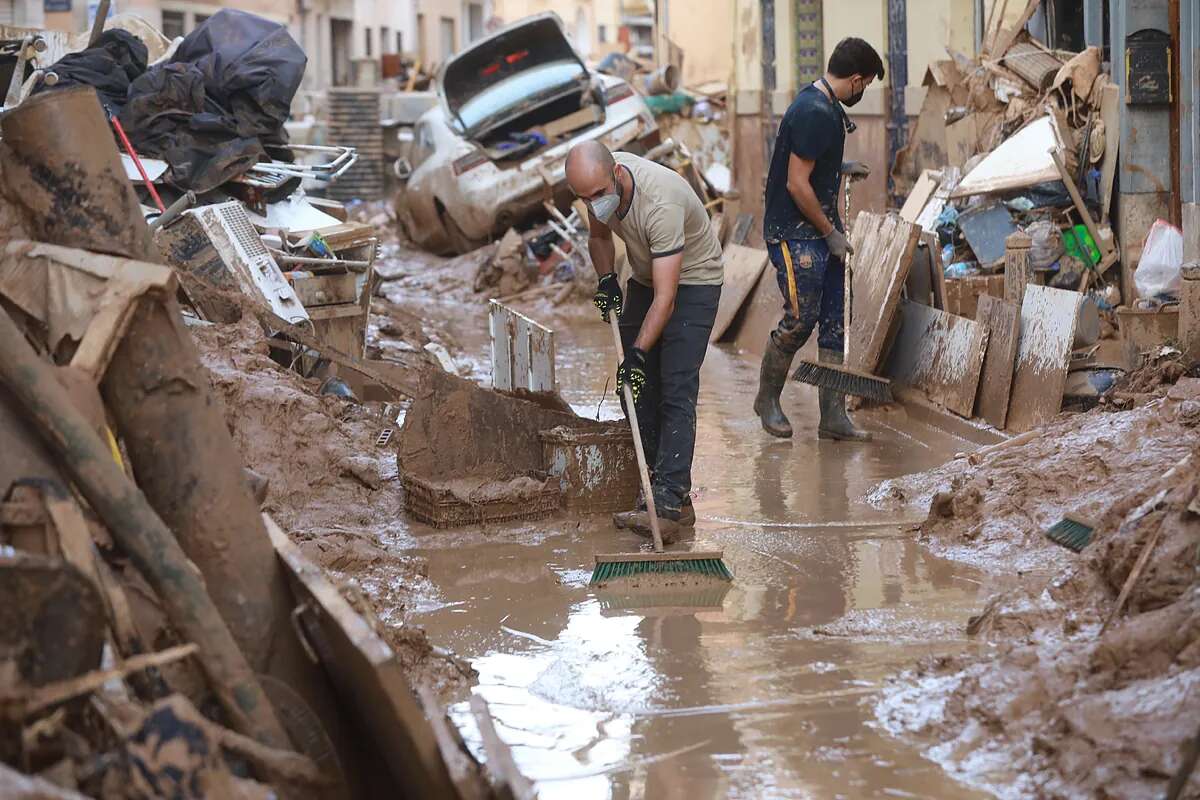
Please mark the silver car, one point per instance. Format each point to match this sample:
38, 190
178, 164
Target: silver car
492, 150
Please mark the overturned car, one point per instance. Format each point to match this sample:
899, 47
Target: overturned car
492, 150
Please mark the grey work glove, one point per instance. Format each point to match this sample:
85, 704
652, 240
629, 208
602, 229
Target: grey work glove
855, 170
839, 245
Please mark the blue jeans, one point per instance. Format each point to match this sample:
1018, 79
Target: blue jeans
820, 283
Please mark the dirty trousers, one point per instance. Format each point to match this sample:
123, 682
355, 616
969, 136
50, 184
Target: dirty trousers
820, 281
667, 407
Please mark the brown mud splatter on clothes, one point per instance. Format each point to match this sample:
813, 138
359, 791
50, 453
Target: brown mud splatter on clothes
331, 488
1052, 708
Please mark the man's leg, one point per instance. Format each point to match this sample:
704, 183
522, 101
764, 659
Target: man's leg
637, 303
684, 345
793, 330
835, 423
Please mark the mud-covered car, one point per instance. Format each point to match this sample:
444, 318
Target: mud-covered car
492, 150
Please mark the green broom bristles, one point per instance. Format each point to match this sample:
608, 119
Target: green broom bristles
606, 571
1071, 532
844, 380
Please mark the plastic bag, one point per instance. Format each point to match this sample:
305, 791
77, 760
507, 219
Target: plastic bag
1047, 244
1159, 269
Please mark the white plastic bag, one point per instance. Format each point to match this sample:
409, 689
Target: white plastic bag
1158, 270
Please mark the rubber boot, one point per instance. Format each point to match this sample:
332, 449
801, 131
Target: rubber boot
835, 422
771, 378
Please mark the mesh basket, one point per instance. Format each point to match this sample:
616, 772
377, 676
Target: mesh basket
436, 505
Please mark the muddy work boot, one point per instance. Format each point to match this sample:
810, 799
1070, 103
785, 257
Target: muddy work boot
623, 520
835, 422
668, 528
771, 378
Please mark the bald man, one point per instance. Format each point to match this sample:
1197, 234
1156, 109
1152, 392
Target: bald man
665, 315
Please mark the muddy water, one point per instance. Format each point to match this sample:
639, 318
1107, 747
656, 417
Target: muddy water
764, 691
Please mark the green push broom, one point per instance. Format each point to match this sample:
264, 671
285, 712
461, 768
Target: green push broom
657, 569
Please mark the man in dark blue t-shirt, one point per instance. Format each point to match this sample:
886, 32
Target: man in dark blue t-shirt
805, 235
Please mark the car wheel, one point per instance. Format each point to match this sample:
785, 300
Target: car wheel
460, 243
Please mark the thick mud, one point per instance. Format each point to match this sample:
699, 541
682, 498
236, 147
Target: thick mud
1056, 705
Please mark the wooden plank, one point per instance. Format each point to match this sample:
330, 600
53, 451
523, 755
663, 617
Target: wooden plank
938, 272
924, 188
366, 674
1003, 322
502, 374
743, 267
541, 365
940, 354
1110, 112
521, 331
883, 250
1048, 319
1105, 245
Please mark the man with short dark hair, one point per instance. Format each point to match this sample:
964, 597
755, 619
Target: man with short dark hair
806, 237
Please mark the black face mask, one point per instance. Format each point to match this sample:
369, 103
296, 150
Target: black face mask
853, 99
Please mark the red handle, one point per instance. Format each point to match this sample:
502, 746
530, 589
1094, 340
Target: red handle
137, 162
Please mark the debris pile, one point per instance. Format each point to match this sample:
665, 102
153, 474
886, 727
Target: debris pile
178, 386
1086, 683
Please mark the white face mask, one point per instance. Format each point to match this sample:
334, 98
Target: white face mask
604, 206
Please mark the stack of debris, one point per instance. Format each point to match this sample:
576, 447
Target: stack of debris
1013, 305
161, 635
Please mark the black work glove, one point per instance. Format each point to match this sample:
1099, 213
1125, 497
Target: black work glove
633, 372
608, 295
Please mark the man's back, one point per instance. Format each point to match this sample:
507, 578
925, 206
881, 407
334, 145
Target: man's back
666, 217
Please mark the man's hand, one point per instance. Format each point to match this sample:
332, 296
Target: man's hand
608, 295
633, 372
839, 245
855, 170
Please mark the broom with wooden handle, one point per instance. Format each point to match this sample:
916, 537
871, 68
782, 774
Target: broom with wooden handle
659, 567
842, 379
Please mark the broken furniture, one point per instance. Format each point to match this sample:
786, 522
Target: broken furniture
522, 351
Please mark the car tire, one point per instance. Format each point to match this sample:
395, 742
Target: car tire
459, 242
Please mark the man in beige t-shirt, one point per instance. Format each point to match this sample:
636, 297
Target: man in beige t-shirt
666, 313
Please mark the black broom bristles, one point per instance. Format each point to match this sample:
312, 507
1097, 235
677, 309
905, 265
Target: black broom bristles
844, 380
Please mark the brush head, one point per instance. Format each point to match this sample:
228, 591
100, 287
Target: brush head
1072, 533
659, 569
844, 380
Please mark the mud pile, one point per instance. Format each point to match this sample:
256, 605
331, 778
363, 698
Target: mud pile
331, 487
1051, 705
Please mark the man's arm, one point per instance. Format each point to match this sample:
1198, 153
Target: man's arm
600, 246
799, 186
664, 273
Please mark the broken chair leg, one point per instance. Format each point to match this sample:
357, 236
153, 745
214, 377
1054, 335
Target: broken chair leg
140, 531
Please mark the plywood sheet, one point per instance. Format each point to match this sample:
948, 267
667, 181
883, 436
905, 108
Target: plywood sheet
1002, 319
924, 188
883, 251
1048, 318
743, 267
1021, 160
940, 354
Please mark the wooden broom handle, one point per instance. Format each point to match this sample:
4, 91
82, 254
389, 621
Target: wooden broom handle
631, 412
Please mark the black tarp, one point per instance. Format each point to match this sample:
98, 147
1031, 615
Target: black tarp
208, 112
117, 59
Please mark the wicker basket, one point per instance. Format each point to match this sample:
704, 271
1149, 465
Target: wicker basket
436, 505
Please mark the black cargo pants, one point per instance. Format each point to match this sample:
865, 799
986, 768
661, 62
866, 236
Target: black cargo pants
667, 408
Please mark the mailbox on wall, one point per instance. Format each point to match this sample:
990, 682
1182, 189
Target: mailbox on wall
1148, 68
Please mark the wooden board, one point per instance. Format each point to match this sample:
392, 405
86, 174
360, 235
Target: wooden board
367, 675
883, 250
743, 267
940, 354
924, 188
1048, 319
1003, 322
1110, 112
522, 351
936, 267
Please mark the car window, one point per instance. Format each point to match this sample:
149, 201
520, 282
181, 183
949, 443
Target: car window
520, 87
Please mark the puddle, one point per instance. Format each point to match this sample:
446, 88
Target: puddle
766, 691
